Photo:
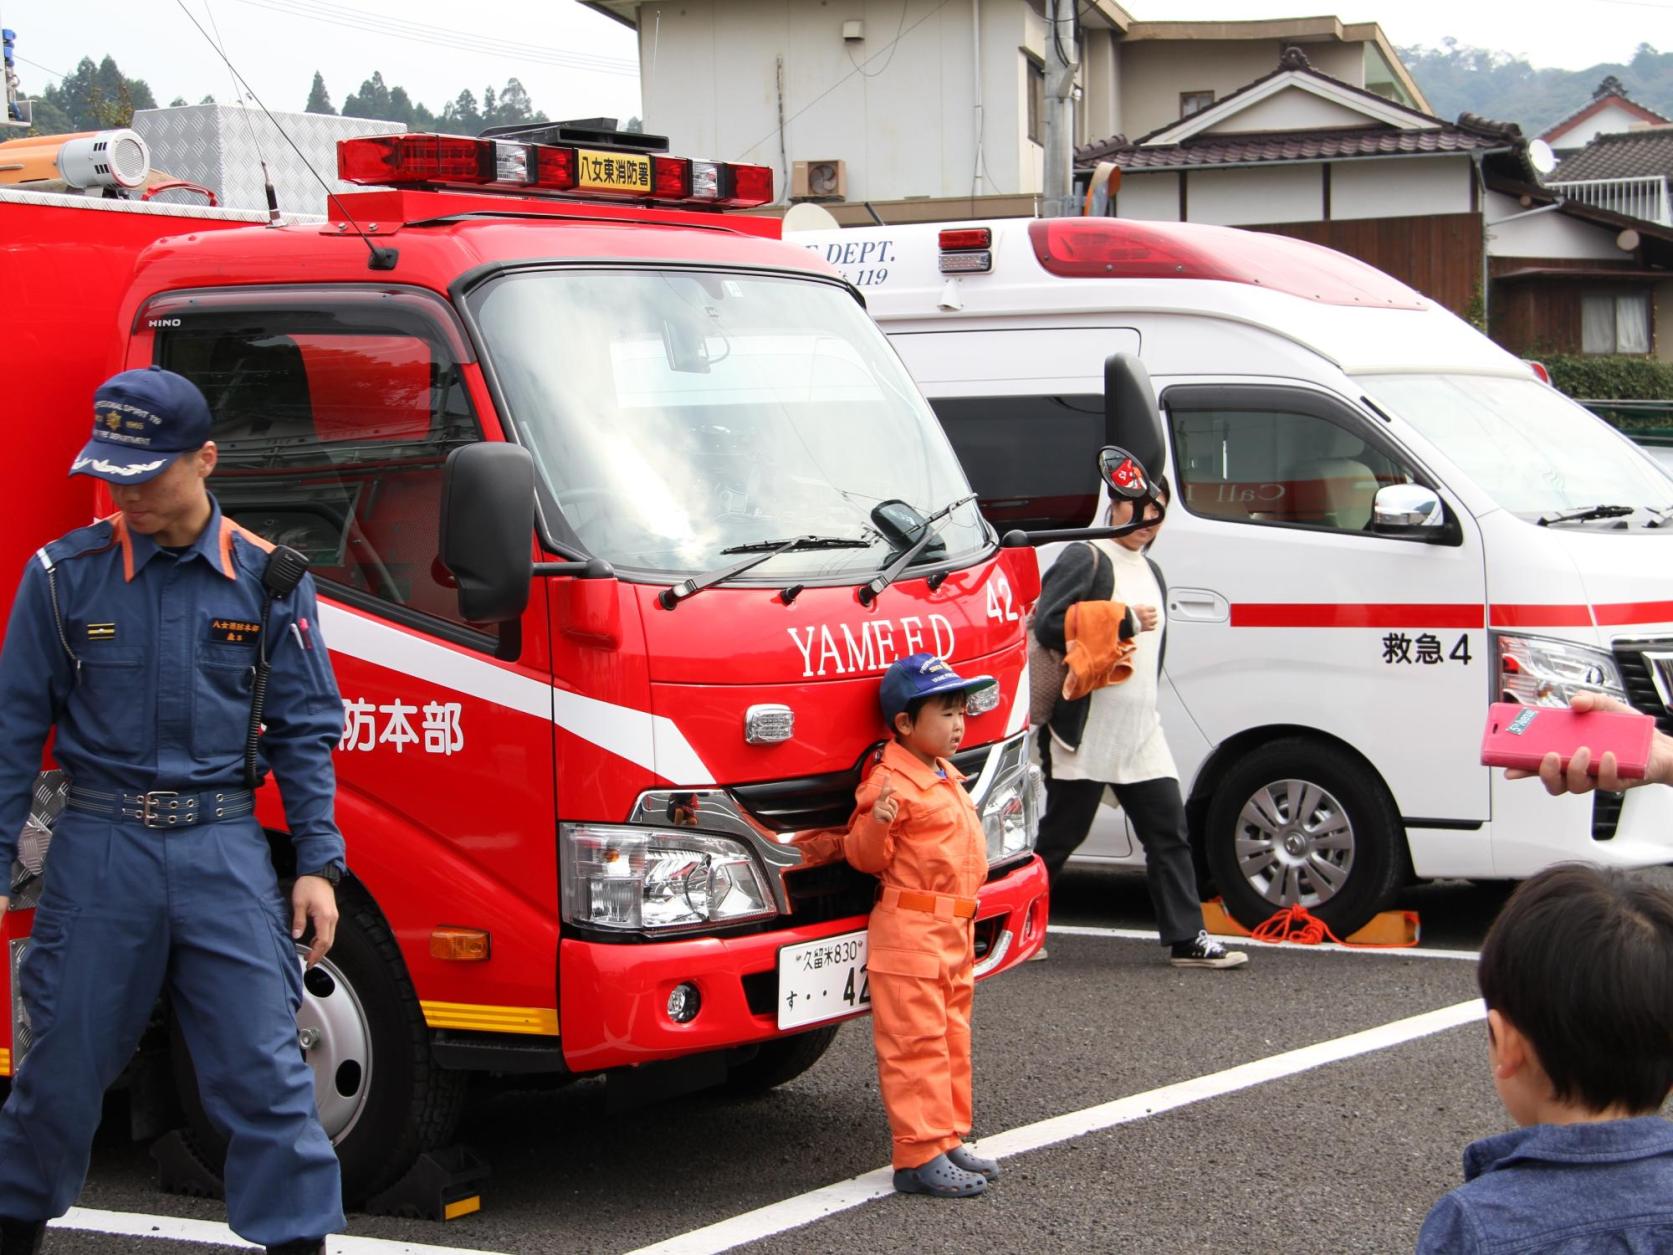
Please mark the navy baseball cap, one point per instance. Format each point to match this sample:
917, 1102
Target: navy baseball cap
922, 675
142, 421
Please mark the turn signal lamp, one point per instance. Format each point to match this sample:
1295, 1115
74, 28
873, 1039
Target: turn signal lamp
503, 166
459, 945
1121, 248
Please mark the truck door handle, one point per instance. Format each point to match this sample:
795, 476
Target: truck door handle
1198, 605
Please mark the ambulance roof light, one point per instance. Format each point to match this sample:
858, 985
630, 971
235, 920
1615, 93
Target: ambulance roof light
501, 165
1121, 248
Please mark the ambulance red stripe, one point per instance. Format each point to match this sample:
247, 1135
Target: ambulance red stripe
1356, 615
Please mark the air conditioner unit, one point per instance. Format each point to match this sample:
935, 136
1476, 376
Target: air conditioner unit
826, 179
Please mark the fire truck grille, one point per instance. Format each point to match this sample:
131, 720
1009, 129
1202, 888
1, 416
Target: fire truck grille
1640, 680
826, 801
832, 891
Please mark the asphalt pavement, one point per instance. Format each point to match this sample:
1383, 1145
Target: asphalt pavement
1311, 1101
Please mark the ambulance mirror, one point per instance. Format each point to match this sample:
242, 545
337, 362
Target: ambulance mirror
1122, 474
1131, 420
487, 519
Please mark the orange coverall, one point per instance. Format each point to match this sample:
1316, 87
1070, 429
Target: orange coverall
920, 943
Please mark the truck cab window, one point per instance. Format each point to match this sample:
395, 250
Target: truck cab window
332, 438
1268, 465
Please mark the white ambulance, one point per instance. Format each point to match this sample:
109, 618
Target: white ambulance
1381, 523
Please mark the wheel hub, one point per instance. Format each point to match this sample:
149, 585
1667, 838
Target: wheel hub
1295, 843
335, 1037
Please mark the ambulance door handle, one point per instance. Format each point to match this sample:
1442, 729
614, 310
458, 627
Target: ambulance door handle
1197, 605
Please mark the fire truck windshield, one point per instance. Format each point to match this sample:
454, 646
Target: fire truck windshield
678, 416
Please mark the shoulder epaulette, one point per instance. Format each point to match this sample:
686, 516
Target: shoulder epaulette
94, 538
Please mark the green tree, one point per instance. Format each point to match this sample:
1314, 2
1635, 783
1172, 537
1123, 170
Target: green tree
94, 97
371, 101
177, 102
319, 100
462, 117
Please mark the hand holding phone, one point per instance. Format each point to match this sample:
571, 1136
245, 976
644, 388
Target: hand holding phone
1522, 737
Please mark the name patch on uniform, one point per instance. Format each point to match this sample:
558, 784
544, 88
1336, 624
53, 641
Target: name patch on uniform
234, 631
101, 631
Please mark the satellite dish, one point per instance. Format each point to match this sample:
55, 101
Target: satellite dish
1541, 157
806, 216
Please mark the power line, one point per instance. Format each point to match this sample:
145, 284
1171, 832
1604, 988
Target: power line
851, 73
446, 37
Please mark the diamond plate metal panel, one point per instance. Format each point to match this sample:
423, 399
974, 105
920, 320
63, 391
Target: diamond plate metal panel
222, 148
22, 1033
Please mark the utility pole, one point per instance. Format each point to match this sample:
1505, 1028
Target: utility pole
1058, 194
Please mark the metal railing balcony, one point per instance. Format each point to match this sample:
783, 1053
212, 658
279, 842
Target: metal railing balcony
1641, 196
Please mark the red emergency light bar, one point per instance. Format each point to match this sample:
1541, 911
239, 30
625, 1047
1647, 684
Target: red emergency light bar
1120, 248
510, 166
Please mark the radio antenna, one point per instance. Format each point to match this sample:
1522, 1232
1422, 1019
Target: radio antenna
381, 257
249, 127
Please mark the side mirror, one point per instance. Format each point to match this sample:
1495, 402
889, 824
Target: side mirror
1131, 418
1125, 478
487, 522
1408, 510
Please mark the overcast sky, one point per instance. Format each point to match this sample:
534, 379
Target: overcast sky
576, 63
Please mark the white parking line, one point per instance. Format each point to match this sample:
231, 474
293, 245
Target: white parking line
1139, 934
207, 1232
792, 1213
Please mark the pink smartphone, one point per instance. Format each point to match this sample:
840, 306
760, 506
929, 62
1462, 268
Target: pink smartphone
1521, 736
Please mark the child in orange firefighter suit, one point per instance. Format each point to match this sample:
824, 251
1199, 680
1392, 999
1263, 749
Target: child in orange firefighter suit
917, 829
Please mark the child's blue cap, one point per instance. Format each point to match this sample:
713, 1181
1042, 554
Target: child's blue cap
922, 675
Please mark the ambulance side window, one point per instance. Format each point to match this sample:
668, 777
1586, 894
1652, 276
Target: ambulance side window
1031, 459
1277, 456
332, 434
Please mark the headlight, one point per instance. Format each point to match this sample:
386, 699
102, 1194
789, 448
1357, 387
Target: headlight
646, 880
1011, 815
1542, 671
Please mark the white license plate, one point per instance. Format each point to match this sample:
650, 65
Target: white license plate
822, 980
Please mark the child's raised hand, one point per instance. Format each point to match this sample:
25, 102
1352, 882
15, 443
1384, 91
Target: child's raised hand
1147, 618
885, 808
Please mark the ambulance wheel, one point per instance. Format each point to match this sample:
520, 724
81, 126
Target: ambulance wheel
382, 1099
780, 1061
1301, 822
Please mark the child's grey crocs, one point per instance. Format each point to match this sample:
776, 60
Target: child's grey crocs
962, 1156
941, 1178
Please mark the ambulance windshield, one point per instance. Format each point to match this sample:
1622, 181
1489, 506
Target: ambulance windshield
1535, 452
676, 416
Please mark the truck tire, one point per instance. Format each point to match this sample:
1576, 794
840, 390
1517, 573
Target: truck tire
780, 1061
381, 1096
1299, 821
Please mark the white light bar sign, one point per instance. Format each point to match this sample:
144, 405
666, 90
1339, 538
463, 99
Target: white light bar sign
612, 172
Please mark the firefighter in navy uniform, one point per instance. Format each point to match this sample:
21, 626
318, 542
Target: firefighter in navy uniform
139, 638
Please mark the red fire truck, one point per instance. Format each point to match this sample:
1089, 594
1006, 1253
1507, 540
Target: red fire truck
619, 507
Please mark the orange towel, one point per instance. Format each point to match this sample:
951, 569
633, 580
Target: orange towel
1097, 655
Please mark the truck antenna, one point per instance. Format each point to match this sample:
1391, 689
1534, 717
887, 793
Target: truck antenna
249, 127
381, 258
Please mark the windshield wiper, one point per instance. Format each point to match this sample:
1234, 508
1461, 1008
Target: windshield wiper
1663, 515
763, 551
869, 593
1586, 515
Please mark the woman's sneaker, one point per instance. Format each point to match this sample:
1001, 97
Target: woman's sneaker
1205, 952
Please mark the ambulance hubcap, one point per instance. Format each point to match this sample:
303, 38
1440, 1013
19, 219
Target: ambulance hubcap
331, 1028
1295, 843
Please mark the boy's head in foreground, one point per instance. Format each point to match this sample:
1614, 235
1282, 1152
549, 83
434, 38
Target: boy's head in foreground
923, 702
1577, 974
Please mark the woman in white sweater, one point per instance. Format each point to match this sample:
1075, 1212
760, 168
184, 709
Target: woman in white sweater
1113, 738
